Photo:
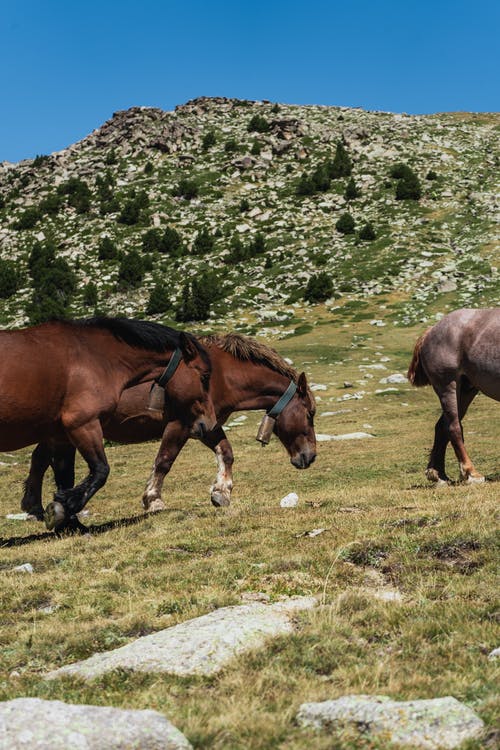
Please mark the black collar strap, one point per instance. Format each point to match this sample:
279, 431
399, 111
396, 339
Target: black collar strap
170, 368
283, 401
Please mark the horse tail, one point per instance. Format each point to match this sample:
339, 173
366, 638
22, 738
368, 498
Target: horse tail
416, 373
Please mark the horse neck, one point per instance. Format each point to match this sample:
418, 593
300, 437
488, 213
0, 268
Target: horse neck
246, 385
136, 365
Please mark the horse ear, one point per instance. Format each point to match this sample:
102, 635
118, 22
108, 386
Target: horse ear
187, 347
302, 384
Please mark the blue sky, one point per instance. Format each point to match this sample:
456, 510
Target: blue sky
66, 66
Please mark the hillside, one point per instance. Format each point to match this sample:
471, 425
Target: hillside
200, 171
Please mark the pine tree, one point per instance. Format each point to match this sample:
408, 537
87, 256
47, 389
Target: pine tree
151, 241
209, 140
345, 224
319, 288
159, 301
203, 243
131, 270
341, 165
351, 191
409, 188
171, 243
90, 295
106, 249
9, 278
367, 232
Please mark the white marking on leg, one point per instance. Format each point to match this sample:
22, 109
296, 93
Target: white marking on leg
151, 499
221, 489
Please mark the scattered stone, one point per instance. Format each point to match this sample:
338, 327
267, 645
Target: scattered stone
201, 646
347, 384
24, 568
323, 438
311, 533
434, 723
318, 387
17, 516
397, 377
289, 501
495, 654
53, 725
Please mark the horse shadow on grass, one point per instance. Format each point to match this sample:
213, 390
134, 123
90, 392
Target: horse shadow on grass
92, 530
426, 485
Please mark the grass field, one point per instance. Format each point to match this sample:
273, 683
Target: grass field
385, 526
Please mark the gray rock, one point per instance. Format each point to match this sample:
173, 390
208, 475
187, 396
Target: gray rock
37, 724
495, 654
200, 646
24, 568
434, 723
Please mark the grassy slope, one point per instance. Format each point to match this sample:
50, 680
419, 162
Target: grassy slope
385, 524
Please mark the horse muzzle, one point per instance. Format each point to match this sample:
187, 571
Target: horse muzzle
303, 459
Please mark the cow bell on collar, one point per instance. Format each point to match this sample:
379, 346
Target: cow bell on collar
265, 429
156, 398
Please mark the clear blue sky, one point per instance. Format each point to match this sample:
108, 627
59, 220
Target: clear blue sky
67, 65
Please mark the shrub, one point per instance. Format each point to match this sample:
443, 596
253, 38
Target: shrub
197, 298
367, 232
256, 148
171, 243
40, 160
319, 288
78, 194
305, 185
130, 213
90, 295
399, 171
237, 251
54, 284
186, 188
9, 279
159, 300
151, 241
244, 205
258, 245
209, 140
351, 191
231, 146
258, 124
203, 243
320, 179
148, 168
111, 157
431, 175
131, 269
28, 218
345, 224
106, 249
409, 188
51, 204
341, 165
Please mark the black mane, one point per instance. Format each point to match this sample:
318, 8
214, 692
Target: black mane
141, 334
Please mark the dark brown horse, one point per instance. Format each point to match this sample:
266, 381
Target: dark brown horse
459, 357
245, 375
58, 381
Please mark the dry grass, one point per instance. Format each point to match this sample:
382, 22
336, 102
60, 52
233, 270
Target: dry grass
384, 524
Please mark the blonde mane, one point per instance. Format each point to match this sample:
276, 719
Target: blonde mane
250, 350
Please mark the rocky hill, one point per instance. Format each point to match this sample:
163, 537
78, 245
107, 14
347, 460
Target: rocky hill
253, 194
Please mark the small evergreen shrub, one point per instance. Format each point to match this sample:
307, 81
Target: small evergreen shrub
51, 204
151, 241
305, 185
209, 140
320, 179
408, 188
431, 175
258, 124
149, 168
186, 188
341, 166
106, 249
40, 160
54, 284
345, 224
351, 191
256, 148
244, 205
28, 219
134, 210
171, 243
9, 279
90, 295
319, 288
159, 301
367, 232
231, 146
203, 243
131, 270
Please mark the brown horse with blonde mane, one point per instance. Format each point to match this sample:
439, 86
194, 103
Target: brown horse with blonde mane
459, 357
246, 375
60, 380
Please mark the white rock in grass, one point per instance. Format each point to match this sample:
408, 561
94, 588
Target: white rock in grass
201, 646
430, 724
289, 501
24, 568
54, 725
495, 654
397, 377
323, 438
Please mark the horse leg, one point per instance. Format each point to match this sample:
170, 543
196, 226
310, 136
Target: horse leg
173, 440
62, 462
32, 499
454, 404
220, 492
61, 513
435, 470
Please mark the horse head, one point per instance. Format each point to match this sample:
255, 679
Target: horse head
188, 399
295, 426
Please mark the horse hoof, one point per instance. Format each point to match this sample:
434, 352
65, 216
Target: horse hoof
475, 479
155, 506
54, 516
219, 500
433, 476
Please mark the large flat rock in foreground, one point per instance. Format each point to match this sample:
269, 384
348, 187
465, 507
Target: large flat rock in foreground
201, 646
431, 724
35, 724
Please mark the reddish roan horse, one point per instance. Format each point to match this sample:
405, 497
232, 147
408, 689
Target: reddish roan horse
246, 375
459, 357
58, 381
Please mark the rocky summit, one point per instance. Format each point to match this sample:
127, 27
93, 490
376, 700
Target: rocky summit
227, 208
